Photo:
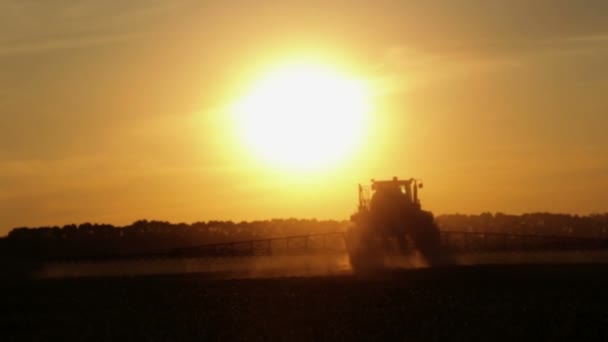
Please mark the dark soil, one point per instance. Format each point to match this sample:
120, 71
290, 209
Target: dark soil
511, 303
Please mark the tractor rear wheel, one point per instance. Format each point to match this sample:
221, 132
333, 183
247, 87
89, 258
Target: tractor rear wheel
427, 238
364, 255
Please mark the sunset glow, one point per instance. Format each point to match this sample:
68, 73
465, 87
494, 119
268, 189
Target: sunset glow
114, 111
303, 116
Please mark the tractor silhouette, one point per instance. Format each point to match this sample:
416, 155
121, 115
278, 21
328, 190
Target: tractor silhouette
390, 222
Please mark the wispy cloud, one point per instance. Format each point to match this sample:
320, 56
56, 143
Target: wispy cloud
402, 67
28, 26
599, 38
55, 43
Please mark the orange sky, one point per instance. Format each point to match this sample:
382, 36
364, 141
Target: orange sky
114, 111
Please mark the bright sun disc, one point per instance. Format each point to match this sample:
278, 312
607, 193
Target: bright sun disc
303, 116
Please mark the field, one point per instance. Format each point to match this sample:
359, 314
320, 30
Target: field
491, 302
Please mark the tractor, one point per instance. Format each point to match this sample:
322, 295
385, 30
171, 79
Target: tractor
390, 223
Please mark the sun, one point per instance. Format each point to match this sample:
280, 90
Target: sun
303, 116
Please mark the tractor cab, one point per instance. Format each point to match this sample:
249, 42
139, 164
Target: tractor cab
406, 191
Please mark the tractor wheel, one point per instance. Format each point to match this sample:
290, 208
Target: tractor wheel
428, 239
365, 261
364, 256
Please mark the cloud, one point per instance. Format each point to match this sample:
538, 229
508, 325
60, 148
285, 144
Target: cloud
28, 26
402, 68
404, 65
599, 38
63, 43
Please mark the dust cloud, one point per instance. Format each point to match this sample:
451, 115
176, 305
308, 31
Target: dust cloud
223, 268
309, 265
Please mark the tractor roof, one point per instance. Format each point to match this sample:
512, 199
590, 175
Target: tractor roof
393, 182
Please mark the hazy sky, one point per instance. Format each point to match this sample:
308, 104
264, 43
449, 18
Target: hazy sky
111, 111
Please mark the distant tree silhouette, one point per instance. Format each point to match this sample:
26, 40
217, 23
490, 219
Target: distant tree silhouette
143, 236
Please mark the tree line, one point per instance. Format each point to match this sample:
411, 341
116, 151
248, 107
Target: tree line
145, 236
594, 225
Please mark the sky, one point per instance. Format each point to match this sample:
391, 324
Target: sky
113, 111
